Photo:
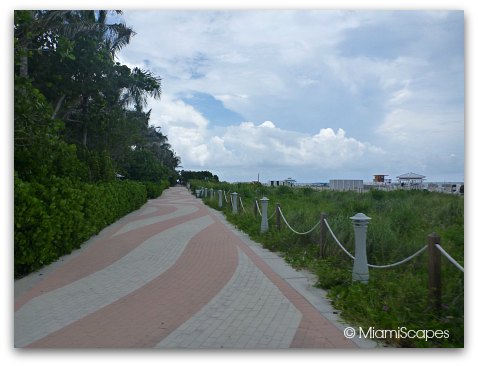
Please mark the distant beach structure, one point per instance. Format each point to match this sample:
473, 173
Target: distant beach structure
411, 180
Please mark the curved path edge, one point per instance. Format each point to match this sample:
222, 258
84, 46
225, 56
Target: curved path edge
301, 281
175, 274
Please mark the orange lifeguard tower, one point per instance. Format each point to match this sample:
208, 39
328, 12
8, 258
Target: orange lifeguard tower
379, 178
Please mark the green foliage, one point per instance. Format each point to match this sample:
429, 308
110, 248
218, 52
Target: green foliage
39, 150
79, 120
188, 175
72, 98
53, 219
154, 190
143, 166
401, 221
285, 190
100, 165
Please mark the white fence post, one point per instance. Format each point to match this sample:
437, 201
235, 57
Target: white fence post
360, 268
234, 202
264, 221
220, 198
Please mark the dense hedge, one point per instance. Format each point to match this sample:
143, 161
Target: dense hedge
154, 190
53, 219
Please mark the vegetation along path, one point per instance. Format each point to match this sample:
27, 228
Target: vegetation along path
174, 274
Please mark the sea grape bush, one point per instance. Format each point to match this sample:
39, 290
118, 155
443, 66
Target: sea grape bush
51, 220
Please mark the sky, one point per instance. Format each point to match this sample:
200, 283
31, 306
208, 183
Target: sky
308, 94
384, 74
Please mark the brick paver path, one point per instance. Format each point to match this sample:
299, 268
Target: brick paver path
171, 275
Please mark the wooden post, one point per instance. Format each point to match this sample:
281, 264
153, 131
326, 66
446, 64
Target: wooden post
254, 207
322, 232
434, 271
278, 216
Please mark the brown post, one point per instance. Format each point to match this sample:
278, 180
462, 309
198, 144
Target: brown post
434, 271
254, 207
322, 230
278, 216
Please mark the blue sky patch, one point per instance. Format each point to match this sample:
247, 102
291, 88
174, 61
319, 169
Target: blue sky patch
213, 109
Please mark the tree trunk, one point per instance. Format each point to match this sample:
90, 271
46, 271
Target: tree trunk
84, 108
85, 134
24, 66
58, 106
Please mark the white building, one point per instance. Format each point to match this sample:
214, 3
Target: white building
346, 185
411, 181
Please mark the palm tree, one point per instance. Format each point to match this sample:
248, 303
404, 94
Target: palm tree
142, 84
31, 24
158, 144
92, 24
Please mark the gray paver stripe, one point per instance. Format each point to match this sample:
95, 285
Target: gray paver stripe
149, 210
58, 308
249, 312
182, 210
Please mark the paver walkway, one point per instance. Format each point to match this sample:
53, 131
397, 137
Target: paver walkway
173, 275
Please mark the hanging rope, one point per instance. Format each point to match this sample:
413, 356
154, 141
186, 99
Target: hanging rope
373, 265
271, 216
401, 262
258, 209
295, 231
450, 258
337, 240
240, 201
225, 197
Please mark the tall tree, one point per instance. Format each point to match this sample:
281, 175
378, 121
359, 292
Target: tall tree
71, 61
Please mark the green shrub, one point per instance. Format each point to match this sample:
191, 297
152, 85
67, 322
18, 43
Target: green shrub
53, 219
154, 190
401, 221
285, 190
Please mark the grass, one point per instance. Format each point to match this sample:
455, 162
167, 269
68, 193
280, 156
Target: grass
401, 220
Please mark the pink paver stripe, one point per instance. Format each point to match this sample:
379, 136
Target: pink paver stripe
105, 251
315, 331
149, 314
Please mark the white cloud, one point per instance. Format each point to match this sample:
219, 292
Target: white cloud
417, 130
251, 145
305, 71
178, 113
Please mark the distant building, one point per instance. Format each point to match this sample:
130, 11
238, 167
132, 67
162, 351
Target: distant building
346, 185
286, 182
411, 181
379, 179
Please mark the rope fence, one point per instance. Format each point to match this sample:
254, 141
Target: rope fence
295, 231
450, 258
337, 240
360, 223
240, 201
258, 208
400, 262
271, 216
